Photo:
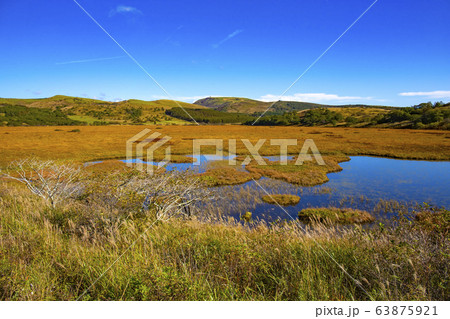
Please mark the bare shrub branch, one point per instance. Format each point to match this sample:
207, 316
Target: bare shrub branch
51, 181
163, 194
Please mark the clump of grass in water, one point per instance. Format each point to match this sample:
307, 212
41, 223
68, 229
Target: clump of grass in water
247, 217
335, 215
323, 190
281, 199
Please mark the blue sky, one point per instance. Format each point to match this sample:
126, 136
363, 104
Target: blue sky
398, 53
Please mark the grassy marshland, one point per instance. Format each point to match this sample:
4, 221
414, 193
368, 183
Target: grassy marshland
281, 199
57, 253
108, 142
335, 215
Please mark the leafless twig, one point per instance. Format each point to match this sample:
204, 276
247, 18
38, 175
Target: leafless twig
49, 180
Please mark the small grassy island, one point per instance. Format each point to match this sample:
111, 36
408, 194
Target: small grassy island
281, 199
226, 176
310, 173
335, 215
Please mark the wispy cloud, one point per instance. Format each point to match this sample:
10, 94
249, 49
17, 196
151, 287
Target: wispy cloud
90, 60
230, 36
313, 97
124, 10
431, 95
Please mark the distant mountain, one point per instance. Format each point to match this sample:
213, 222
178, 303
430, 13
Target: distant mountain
249, 106
233, 104
68, 110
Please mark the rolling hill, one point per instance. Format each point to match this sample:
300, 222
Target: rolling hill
67, 110
210, 116
99, 112
249, 106
422, 116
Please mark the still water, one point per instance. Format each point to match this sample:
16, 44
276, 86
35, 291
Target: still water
363, 183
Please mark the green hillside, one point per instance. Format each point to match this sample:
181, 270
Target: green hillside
422, 116
209, 116
18, 115
233, 104
98, 112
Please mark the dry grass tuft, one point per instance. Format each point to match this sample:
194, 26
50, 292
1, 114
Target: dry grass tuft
435, 221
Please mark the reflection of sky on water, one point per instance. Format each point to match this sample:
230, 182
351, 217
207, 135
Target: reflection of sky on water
199, 165
373, 178
401, 180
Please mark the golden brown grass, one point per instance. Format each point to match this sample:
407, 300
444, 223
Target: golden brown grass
335, 215
281, 199
108, 142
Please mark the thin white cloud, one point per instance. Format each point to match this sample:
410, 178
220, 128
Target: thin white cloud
313, 97
90, 60
230, 36
124, 10
431, 95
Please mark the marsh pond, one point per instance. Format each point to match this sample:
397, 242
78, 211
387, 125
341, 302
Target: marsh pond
378, 185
